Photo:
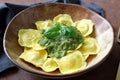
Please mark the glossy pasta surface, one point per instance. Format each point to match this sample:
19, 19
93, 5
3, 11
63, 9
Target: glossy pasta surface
73, 60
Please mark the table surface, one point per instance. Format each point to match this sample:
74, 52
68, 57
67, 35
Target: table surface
106, 71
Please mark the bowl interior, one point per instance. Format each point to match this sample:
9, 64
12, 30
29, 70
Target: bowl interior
27, 18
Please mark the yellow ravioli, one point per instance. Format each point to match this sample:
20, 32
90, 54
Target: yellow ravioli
37, 46
49, 65
64, 19
43, 24
29, 38
85, 26
85, 56
72, 62
35, 57
90, 46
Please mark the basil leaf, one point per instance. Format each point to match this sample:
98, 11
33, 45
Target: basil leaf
53, 31
68, 31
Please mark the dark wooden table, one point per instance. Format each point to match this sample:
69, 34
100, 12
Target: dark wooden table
106, 71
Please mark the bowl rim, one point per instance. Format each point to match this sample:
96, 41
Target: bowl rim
57, 76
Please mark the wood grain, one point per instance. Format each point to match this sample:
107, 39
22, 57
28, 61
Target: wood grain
23, 1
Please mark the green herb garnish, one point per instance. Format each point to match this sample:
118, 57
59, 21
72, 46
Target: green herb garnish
59, 39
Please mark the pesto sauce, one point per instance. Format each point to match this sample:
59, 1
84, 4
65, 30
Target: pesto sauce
59, 39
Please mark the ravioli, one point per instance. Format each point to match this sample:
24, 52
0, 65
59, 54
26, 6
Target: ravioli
43, 24
85, 56
90, 47
74, 59
64, 19
85, 26
72, 62
36, 57
29, 38
49, 65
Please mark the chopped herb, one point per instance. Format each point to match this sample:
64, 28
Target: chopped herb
59, 39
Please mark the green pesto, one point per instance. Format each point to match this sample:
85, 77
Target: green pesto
59, 39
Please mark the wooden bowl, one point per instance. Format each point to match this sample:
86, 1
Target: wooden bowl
26, 19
